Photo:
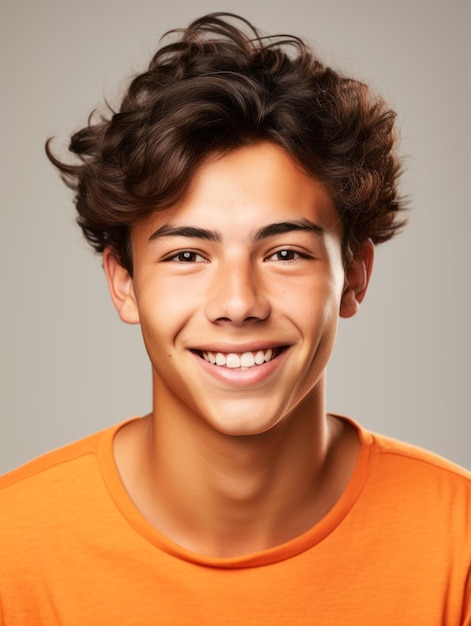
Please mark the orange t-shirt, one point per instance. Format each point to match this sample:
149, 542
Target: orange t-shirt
394, 550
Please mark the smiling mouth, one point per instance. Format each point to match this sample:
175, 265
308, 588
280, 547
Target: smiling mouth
241, 360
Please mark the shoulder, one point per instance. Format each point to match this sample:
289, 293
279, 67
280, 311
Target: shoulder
53, 504
419, 485
387, 450
400, 476
55, 496
53, 477
40, 466
411, 457
44, 467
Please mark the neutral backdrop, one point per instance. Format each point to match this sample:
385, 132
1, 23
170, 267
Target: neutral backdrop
70, 367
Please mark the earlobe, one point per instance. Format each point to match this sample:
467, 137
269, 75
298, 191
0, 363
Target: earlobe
121, 288
357, 278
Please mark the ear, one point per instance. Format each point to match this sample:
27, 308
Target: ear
357, 277
121, 288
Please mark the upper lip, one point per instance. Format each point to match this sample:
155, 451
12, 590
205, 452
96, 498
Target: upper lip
251, 346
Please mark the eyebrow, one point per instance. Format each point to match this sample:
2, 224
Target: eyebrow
280, 228
271, 230
185, 231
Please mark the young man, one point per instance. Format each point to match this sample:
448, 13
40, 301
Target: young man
236, 197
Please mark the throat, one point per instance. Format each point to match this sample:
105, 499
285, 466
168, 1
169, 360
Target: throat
239, 495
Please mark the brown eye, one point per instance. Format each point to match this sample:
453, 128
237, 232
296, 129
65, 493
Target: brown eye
286, 255
186, 256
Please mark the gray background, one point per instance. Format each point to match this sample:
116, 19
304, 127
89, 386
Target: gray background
70, 367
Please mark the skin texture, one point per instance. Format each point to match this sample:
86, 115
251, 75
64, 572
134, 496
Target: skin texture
213, 466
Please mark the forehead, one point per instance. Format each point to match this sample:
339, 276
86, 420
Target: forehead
247, 189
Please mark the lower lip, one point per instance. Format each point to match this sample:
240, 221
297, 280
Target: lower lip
242, 377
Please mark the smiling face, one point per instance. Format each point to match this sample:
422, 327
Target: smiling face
238, 289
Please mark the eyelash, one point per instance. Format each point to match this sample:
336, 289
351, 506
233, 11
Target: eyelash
294, 255
190, 256
177, 257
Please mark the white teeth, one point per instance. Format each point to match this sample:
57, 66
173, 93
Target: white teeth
211, 357
260, 357
232, 361
247, 360
220, 359
237, 361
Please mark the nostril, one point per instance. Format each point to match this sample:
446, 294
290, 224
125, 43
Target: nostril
248, 319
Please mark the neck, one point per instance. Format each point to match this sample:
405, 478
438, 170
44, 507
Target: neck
226, 496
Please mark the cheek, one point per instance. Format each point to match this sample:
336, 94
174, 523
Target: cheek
160, 300
166, 310
317, 317
315, 302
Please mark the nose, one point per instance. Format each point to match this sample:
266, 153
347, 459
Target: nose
237, 294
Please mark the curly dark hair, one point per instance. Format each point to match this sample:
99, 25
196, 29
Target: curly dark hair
217, 87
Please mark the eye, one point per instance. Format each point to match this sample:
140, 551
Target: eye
285, 255
186, 256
